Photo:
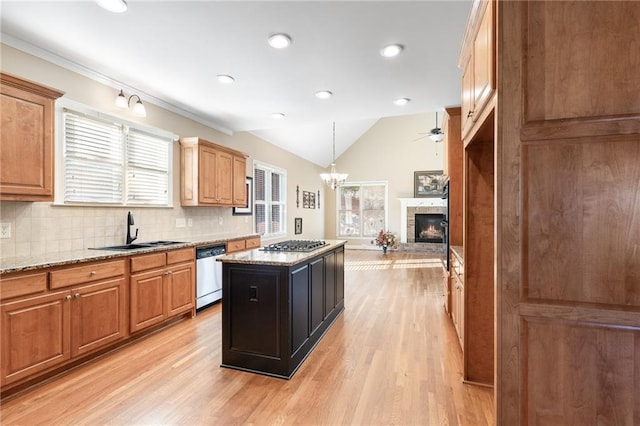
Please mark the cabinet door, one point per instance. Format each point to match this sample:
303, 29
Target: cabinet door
98, 315
26, 148
316, 275
483, 60
239, 181
225, 178
339, 276
329, 283
180, 285
35, 335
299, 289
147, 299
467, 96
207, 175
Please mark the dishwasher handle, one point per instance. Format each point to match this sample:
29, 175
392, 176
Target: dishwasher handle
210, 251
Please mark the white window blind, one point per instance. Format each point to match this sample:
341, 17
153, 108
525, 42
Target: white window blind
270, 200
93, 160
110, 163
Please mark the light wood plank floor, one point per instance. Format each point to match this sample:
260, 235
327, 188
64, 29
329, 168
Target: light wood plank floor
391, 358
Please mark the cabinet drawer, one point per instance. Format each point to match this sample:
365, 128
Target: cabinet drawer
22, 285
148, 261
178, 256
252, 243
237, 245
83, 274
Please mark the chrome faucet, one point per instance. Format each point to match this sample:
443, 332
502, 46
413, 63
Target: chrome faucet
130, 239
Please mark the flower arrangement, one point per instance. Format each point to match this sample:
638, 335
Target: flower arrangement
385, 239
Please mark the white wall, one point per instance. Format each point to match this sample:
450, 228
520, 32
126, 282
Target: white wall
388, 152
39, 228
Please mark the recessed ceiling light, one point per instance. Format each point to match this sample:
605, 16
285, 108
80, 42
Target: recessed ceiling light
277, 115
401, 101
391, 50
117, 6
323, 94
225, 79
279, 41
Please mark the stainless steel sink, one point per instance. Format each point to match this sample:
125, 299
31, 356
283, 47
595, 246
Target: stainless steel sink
150, 244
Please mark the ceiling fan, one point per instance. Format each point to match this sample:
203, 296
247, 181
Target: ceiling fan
436, 134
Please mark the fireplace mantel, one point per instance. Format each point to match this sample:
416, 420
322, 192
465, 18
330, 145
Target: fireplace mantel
405, 203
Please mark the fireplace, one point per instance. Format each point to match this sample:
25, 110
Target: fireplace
428, 228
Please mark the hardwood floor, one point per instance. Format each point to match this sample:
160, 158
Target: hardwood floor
390, 358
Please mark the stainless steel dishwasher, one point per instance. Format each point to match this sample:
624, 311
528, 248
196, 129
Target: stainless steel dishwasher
208, 275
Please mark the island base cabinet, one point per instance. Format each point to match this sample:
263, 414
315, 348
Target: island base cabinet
273, 316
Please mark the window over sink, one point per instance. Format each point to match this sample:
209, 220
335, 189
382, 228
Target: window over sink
106, 161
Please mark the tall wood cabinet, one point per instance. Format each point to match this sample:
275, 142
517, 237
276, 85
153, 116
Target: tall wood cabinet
27, 138
553, 166
211, 175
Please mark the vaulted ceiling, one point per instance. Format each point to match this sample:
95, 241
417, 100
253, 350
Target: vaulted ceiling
170, 53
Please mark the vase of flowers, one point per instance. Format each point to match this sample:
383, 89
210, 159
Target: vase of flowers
385, 240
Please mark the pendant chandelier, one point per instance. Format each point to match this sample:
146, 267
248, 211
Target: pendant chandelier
334, 179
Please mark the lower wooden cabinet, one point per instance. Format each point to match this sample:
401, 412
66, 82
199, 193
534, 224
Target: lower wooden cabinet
457, 296
41, 332
35, 334
162, 286
243, 244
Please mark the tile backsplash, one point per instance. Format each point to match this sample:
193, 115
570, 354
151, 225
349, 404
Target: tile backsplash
42, 228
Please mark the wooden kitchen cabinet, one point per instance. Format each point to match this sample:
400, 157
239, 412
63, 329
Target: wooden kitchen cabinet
210, 174
478, 66
162, 286
457, 296
27, 140
35, 334
243, 244
41, 332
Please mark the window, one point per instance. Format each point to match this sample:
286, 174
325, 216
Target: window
362, 209
105, 162
270, 186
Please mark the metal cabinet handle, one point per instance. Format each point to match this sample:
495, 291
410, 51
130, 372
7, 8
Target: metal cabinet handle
77, 295
68, 297
469, 114
92, 273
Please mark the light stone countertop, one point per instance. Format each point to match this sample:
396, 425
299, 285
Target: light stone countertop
278, 258
47, 260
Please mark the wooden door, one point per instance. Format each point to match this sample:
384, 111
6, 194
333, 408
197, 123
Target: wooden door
35, 335
483, 62
98, 315
207, 175
225, 178
180, 289
147, 299
568, 213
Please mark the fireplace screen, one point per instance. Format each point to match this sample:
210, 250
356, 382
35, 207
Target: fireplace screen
429, 228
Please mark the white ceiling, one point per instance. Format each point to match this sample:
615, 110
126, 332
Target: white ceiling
170, 52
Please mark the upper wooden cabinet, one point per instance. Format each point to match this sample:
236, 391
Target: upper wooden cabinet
477, 61
26, 148
211, 175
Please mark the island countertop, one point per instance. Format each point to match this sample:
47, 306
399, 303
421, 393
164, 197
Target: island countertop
278, 258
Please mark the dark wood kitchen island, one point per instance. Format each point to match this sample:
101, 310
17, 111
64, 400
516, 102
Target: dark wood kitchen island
276, 306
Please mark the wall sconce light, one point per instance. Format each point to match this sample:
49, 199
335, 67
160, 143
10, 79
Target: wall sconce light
138, 107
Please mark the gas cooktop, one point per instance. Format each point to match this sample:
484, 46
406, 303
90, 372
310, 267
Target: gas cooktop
295, 245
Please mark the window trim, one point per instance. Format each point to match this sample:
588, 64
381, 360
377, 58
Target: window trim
59, 173
360, 184
283, 172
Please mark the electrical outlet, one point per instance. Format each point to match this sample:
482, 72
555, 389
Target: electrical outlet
5, 230
181, 222
190, 222
220, 221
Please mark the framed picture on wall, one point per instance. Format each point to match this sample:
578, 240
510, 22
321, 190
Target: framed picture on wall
428, 183
298, 226
248, 208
